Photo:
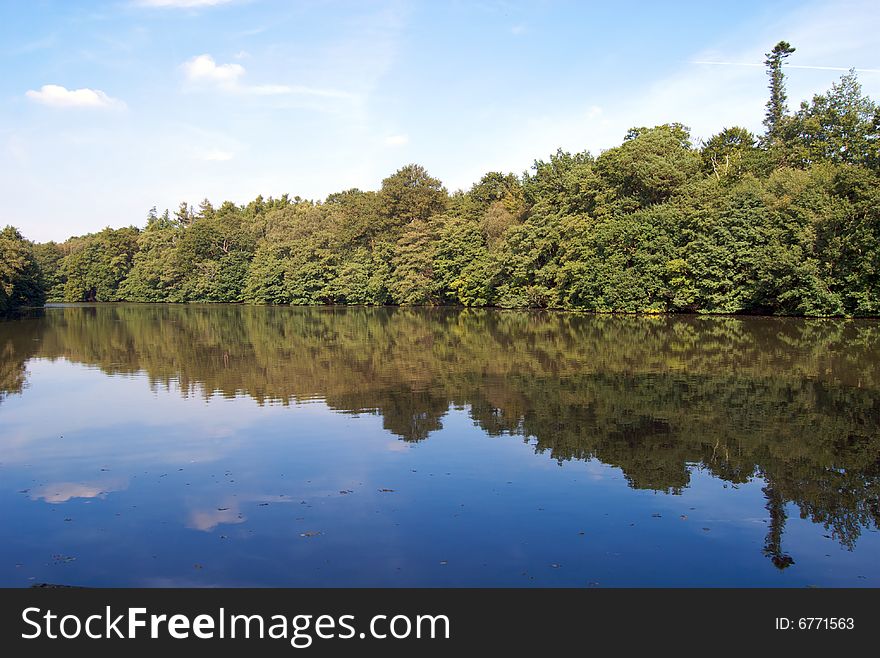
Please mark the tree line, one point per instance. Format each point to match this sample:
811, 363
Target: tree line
787, 222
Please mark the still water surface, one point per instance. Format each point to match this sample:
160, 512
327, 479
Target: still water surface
160, 445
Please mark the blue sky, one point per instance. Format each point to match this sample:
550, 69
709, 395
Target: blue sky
109, 108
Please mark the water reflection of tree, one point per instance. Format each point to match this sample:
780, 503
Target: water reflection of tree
776, 528
794, 402
18, 342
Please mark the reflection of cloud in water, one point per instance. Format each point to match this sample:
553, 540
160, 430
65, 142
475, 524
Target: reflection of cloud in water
229, 513
207, 520
61, 492
397, 446
596, 470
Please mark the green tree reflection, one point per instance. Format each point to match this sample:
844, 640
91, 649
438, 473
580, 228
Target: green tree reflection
793, 402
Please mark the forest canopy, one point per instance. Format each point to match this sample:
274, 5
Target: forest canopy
787, 223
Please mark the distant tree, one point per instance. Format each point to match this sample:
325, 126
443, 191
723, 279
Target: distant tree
731, 153
184, 214
21, 280
410, 195
98, 264
50, 256
153, 277
494, 187
566, 182
650, 166
776, 104
206, 210
841, 126
413, 280
355, 215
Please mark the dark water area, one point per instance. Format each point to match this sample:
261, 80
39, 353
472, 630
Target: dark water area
151, 445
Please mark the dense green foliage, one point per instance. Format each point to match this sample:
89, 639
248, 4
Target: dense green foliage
783, 223
21, 278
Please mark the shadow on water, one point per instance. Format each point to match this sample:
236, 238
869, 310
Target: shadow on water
793, 402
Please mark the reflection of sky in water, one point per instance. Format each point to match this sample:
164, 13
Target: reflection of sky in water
107, 482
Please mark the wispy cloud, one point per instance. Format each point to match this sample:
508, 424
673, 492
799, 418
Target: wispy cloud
58, 96
264, 90
203, 70
301, 90
215, 155
35, 45
181, 4
516, 30
788, 66
397, 140
253, 31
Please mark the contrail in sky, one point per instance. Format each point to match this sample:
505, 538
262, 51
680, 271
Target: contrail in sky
788, 66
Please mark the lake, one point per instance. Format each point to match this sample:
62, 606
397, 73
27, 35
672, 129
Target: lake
154, 445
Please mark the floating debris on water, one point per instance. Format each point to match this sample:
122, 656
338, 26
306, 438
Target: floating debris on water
52, 586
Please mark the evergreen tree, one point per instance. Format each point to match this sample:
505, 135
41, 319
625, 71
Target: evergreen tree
776, 104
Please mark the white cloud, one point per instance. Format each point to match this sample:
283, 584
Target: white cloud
58, 96
216, 155
203, 68
516, 30
397, 140
183, 4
